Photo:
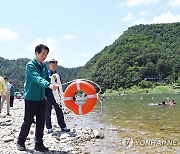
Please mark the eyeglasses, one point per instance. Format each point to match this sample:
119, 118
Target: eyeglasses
53, 62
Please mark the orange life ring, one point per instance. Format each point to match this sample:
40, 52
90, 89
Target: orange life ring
88, 89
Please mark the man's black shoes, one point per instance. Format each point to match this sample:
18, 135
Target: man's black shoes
41, 148
21, 146
65, 129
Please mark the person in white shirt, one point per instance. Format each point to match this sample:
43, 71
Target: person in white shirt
6, 97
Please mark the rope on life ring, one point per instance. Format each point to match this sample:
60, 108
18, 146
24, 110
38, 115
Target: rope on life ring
58, 93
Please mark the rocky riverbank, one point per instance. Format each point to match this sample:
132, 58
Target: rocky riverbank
86, 135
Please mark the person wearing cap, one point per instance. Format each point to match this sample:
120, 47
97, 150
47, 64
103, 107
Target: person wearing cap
36, 81
51, 102
2, 89
6, 97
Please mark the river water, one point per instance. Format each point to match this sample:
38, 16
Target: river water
149, 126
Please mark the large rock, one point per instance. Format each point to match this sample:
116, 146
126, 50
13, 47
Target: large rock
98, 134
8, 139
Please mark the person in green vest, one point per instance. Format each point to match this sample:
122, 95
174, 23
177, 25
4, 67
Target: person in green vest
12, 94
36, 81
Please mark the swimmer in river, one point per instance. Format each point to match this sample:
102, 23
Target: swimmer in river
172, 102
163, 103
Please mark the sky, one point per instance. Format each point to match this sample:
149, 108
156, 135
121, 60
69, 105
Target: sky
74, 30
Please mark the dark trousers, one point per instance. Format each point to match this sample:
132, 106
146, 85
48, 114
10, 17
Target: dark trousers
11, 101
33, 108
59, 114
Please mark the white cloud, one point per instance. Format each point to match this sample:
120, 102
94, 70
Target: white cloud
128, 17
132, 3
69, 37
174, 3
143, 13
114, 37
161, 7
6, 34
167, 17
50, 42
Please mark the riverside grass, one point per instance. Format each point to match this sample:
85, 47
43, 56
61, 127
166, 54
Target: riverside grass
137, 90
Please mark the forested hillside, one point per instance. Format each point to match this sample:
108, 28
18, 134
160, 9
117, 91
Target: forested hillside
140, 53
15, 71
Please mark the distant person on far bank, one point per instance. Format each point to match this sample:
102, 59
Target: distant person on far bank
2, 89
12, 94
6, 97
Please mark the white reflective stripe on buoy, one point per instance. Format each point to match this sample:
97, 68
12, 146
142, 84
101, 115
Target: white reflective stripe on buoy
78, 85
92, 96
80, 109
68, 98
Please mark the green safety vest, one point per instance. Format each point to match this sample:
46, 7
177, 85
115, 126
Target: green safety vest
36, 81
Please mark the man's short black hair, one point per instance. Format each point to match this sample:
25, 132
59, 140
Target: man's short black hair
39, 48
